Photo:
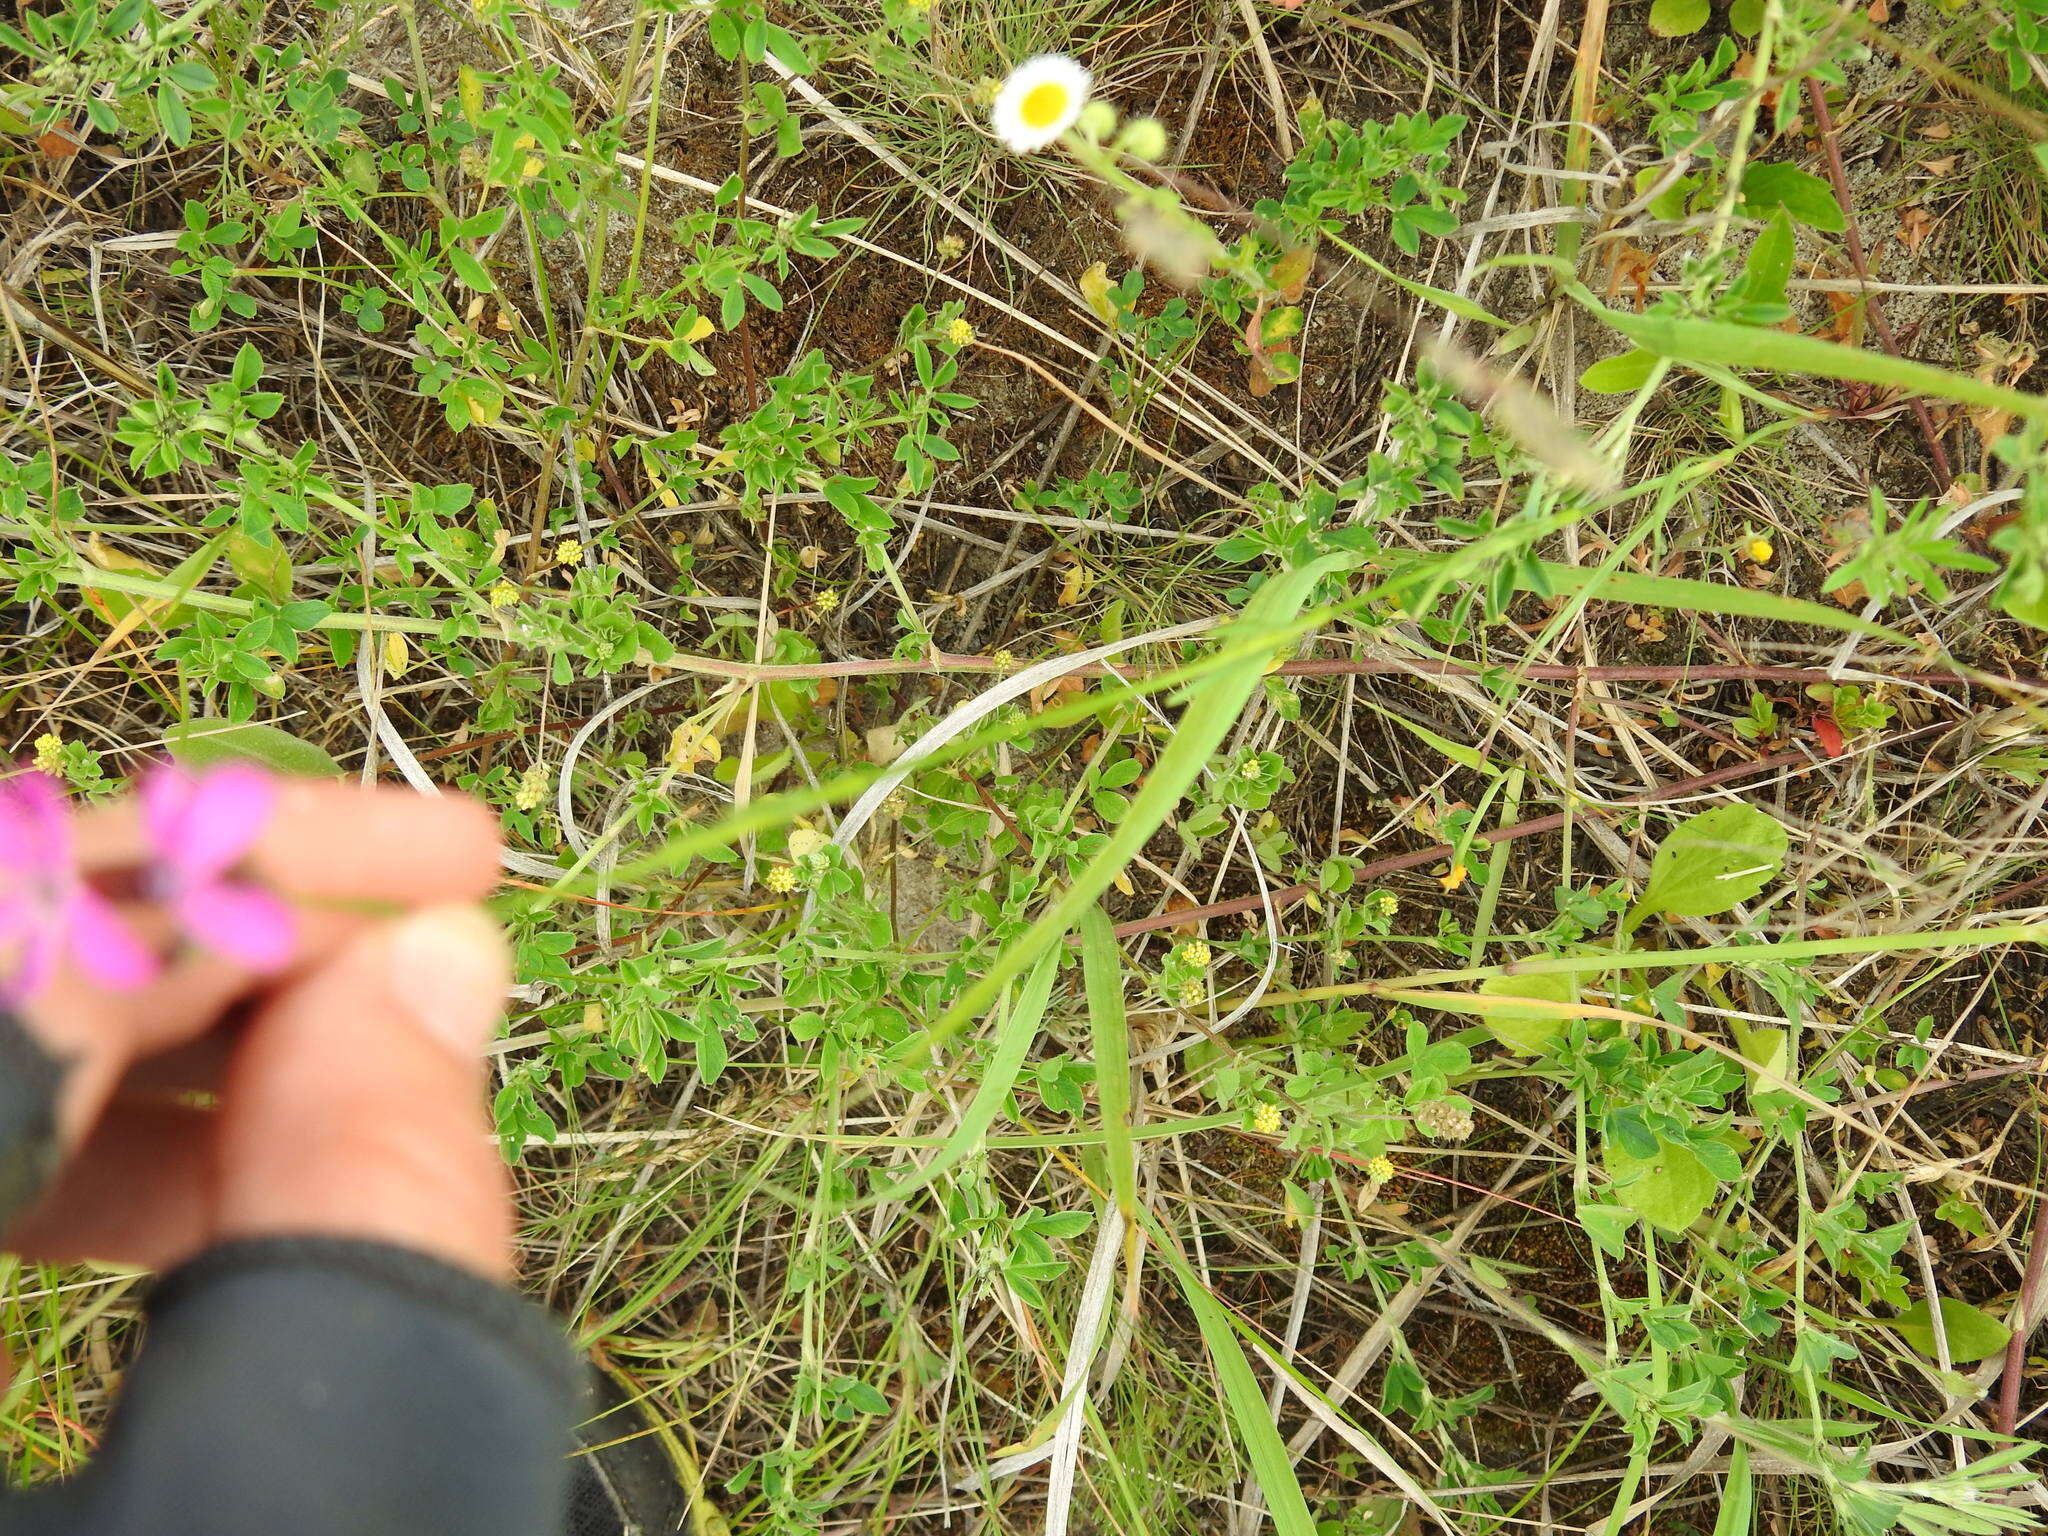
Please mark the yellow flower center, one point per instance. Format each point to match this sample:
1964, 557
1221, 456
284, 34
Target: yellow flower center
1043, 105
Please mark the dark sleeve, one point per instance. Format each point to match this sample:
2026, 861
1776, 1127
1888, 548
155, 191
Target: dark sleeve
310, 1387
324, 1387
28, 1117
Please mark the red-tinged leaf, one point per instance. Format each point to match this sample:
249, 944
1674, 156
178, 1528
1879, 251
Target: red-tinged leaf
59, 143
1830, 735
1291, 272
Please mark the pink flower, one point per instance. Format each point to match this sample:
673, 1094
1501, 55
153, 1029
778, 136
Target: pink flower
46, 907
200, 828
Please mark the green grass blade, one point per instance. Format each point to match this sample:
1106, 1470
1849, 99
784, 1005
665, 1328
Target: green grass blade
1668, 959
1256, 1431
1014, 1039
1682, 592
1687, 340
1212, 707
1738, 1495
1102, 969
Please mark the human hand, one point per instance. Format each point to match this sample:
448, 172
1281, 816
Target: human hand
301, 1134
347, 1093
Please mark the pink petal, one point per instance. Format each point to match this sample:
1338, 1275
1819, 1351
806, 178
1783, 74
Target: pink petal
102, 944
166, 792
241, 922
201, 827
35, 830
17, 840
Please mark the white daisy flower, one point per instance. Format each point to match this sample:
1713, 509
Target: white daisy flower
1039, 101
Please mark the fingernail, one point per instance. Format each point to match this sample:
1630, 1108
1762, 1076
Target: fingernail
449, 974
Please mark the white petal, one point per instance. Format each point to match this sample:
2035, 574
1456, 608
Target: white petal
1007, 116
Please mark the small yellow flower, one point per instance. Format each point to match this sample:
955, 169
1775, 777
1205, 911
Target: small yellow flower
1761, 550
1248, 769
533, 787
950, 248
504, 595
699, 329
689, 745
1192, 993
569, 552
1266, 1120
50, 752
1004, 660
781, 880
1458, 876
1379, 1169
959, 332
1195, 954
1385, 904
825, 601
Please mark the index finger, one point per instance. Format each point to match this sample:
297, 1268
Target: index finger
341, 842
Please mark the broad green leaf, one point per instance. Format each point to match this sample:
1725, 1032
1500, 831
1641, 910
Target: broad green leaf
1532, 1031
1671, 1190
1769, 266
1806, 197
2024, 591
1972, 1335
1714, 860
1746, 19
1607, 1225
1769, 1051
266, 567
1620, 374
203, 743
1678, 18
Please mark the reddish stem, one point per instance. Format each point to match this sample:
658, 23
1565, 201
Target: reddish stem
1817, 98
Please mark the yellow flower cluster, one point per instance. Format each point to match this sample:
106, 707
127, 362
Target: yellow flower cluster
569, 552
826, 601
504, 595
781, 880
1379, 1169
1195, 954
960, 333
533, 787
50, 752
1266, 1120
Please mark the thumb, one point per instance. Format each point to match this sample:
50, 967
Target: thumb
354, 1104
